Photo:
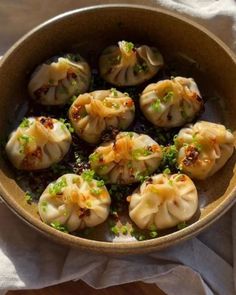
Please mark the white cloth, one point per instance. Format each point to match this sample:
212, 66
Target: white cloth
202, 265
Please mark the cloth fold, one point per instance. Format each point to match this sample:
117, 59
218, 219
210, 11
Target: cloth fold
204, 265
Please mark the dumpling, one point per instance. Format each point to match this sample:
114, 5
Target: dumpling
127, 65
171, 103
203, 148
38, 143
75, 202
127, 159
55, 83
92, 113
163, 201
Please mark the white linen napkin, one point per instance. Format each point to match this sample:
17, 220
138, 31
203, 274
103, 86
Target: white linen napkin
203, 265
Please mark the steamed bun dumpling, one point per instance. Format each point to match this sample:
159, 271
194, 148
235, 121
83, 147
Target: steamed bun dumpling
92, 113
75, 202
163, 201
38, 143
171, 103
127, 65
127, 159
55, 83
203, 148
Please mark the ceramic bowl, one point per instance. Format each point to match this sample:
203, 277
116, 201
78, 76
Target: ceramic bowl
192, 48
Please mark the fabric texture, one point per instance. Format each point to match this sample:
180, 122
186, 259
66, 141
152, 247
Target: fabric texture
204, 265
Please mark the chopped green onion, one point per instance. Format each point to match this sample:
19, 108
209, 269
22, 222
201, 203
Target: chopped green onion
44, 206
166, 171
115, 230
141, 237
66, 125
153, 227
170, 182
100, 183
89, 204
96, 191
28, 197
197, 145
114, 92
124, 230
141, 152
74, 82
94, 157
73, 57
79, 158
153, 234
137, 235
127, 46
142, 176
156, 106
57, 225
129, 133
88, 175
169, 156
25, 123
116, 105
182, 225
24, 140
138, 68
168, 96
56, 188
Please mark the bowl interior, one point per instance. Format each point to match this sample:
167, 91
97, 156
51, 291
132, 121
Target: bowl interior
191, 52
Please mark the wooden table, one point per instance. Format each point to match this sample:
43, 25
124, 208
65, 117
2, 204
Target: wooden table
80, 288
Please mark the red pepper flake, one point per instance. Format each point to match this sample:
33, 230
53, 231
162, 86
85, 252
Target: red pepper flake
176, 203
115, 216
129, 103
154, 148
31, 158
191, 155
198, 98
46, 122
181, 178
71, 73
84, 212
42, 90
76, 112
149, 181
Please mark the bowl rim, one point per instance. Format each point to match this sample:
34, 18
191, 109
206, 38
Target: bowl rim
119, 247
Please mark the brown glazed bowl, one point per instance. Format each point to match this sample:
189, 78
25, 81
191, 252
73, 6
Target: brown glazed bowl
90, 30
